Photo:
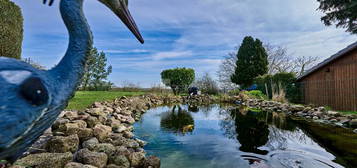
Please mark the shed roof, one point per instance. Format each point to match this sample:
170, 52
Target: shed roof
328, 60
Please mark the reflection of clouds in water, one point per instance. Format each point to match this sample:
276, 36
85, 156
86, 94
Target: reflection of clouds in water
295, 141
300, 149
215, 142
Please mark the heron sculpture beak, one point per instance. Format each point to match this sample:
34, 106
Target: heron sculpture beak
120, 8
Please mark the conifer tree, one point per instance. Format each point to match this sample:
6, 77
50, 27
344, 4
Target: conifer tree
252, 61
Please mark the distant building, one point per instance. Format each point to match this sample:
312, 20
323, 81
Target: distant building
333, 82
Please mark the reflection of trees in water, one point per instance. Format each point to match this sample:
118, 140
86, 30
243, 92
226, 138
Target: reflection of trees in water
252, 131
205, 109
246, 128
178, 121
279, 120
227, 123
193, 108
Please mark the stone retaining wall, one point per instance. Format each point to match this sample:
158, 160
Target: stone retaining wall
100, 136
317, 114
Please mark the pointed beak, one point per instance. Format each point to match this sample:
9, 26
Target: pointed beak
124, 14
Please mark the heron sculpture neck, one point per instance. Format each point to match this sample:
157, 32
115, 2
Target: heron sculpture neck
70, 69
34, 98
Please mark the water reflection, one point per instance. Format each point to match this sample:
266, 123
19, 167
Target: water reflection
193, 108
177, 120
251, 132
224, 136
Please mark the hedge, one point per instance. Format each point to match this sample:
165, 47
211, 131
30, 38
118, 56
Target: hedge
11, 29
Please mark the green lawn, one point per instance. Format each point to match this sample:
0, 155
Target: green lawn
348, 112
83, 99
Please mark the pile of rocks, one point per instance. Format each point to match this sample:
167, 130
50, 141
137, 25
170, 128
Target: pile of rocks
318, 114
100, 136
200, 99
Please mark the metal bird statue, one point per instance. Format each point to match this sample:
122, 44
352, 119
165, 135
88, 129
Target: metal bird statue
32, 99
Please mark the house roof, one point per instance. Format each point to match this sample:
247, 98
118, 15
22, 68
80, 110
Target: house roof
328, 60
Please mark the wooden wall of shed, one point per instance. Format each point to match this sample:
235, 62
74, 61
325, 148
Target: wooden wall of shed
334, 85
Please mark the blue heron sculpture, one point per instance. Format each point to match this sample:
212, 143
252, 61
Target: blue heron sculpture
31, 99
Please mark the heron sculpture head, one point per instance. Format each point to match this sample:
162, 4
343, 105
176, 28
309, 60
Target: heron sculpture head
31, 99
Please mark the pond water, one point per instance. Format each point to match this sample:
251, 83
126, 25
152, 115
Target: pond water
228, 137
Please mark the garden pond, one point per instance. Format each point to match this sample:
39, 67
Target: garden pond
218, 136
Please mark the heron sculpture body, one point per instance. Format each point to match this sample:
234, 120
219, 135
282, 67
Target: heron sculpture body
32, 99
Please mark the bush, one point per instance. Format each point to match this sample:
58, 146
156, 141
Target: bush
178, 79
11, 29
280, 81
255, 94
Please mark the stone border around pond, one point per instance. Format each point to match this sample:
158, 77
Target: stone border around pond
316, 114
100, 136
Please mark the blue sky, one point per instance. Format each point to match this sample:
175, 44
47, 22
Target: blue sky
182, 33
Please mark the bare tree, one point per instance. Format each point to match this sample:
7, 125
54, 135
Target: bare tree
279, 59
128, 86
206, 84
301, 64
225, 71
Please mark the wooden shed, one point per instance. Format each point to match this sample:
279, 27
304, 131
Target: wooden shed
333, 82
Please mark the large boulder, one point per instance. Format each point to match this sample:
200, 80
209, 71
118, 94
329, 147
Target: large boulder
69, 128
45, 160
90, 143
98, 111
92, 121
152, 161
136, 159
102, 132
61, 144
85, 133
353, 123
107, 148
92, 158
71, 115
119, 160
78, 165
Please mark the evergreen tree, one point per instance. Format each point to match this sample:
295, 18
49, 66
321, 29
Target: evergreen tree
252, 61
341, 12
96, 72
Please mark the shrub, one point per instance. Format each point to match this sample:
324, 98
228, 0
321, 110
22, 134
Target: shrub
11, 29
256, 94
178, 79
234, 92
278, 85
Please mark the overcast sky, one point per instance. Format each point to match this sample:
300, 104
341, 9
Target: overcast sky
182, 33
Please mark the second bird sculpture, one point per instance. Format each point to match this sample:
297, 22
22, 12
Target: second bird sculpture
32, 99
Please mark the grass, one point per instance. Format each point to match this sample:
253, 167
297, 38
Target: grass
343, 112
256, 110
348, 112
83, 99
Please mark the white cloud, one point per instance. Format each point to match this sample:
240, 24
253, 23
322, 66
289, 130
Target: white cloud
134, 51
172, 54
191, 33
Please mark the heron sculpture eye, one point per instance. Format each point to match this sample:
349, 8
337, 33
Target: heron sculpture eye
33, 90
